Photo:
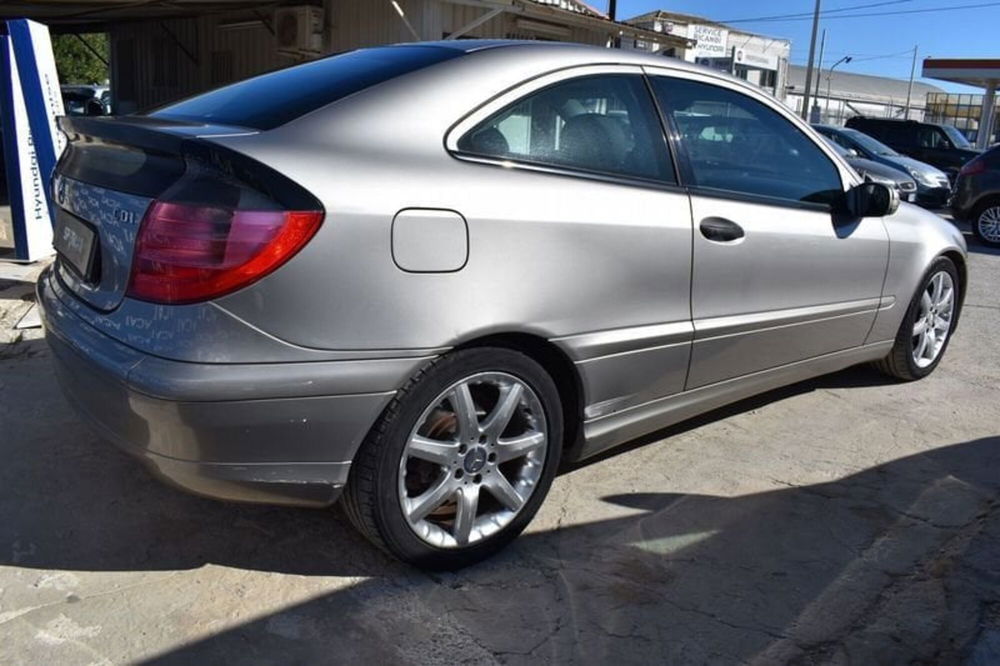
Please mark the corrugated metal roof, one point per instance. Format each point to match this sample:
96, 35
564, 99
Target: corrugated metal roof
572, 6
860, 86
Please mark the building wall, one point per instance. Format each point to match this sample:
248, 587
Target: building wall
155, 62
771, 76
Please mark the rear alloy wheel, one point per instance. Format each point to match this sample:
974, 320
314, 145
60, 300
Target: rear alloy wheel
986, 223
926, 329
460, 461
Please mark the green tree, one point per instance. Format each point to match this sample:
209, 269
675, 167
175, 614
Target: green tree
78, 64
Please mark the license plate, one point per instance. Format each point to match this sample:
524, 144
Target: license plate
912, 196
74, 241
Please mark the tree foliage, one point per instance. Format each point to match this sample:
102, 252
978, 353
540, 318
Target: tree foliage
76, 63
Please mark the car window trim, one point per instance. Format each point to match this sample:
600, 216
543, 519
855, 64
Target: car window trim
847, 176
537, 83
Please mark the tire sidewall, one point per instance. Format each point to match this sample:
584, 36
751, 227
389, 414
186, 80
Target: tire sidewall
392, 524
906, 332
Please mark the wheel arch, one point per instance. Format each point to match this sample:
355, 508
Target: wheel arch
559, 366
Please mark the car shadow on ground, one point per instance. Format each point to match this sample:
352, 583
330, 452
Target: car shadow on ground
885, 566
678, 578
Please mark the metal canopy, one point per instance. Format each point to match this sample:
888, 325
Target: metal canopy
77, 15
978, 72
984, 73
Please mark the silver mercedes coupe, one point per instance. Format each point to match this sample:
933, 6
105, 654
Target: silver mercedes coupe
419, 278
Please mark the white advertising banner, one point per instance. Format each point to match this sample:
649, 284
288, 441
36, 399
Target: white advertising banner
31, 100
711, 41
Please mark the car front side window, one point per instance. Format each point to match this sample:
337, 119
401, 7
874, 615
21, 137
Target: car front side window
603, 123
737, 144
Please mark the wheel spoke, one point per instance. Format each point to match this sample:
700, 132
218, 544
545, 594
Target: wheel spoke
465, 411
441, 453
516, 447
503, 491
468, 505
924, 341
420, 507
919, 327
937, 287
925, 302
497, 421
945, 300
941, 323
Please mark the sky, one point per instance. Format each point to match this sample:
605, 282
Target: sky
881, 45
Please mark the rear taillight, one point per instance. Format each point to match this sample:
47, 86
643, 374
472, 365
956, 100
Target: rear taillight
973, 167
186, 253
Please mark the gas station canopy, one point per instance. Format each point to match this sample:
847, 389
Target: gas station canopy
978, 72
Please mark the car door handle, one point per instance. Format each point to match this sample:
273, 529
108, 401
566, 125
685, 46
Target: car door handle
720, 230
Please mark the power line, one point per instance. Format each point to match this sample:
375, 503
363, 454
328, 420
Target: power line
892, 13
822, 13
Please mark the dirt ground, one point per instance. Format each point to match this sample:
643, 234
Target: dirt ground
848, 519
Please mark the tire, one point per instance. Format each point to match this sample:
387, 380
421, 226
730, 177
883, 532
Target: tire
902, 362
392, 482
986, 222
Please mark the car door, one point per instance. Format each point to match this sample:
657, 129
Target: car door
573, 175
776, 277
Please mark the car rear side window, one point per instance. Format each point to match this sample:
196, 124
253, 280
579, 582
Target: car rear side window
600, 123
269, 100
736, 144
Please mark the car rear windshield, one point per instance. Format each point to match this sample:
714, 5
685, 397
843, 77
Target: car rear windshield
273, 99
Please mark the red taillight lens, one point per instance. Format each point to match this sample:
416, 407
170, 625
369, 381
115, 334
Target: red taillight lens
186, 253
973, 167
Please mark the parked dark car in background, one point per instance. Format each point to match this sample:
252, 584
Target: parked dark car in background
942, 146
933, 188
81, 100
977, 196
874, 172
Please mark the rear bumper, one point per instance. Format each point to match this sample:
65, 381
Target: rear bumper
245, 432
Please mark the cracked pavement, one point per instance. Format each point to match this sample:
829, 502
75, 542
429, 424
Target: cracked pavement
843, 520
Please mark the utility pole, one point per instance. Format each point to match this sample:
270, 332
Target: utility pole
809, 68
612, 13
909, 89
817, 117
822, 47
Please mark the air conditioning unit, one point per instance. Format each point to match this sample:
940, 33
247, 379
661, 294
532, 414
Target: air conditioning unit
299, 30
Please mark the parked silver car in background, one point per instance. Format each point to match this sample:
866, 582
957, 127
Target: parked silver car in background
420, 277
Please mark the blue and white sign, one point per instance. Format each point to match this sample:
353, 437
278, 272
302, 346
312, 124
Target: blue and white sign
30, 100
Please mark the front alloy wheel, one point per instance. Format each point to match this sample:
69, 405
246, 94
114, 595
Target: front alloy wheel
933, 321
460, 460
927, 326
473, 460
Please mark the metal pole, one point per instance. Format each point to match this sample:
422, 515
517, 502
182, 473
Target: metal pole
829, 76
616, 42
909, 89
822, 47
809, 68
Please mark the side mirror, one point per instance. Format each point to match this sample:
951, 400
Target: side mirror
870, 200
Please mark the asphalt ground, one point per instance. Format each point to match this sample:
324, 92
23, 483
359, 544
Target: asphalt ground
847, 519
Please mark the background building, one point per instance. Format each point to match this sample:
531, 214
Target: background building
843, 95
759, 59
162, 50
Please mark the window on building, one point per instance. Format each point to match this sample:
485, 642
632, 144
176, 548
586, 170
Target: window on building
603, 123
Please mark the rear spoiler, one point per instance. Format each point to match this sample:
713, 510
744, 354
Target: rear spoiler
144, 156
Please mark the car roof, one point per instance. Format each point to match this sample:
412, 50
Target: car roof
574, 50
